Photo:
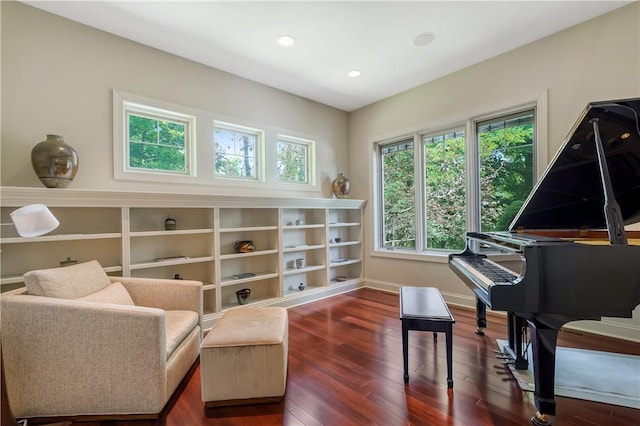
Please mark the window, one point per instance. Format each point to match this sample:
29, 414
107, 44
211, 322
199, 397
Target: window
445, 189
157, 140
506, 168
237, 151
398, 194
435, 186
295, 157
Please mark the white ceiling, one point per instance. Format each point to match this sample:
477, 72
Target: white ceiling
333, 38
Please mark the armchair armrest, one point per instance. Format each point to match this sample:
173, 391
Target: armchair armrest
164, 294
51, 346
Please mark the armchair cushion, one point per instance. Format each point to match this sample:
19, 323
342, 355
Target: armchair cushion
178, 325
114, 293
69, 282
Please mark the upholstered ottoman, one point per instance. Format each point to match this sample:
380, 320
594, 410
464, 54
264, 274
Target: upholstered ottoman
243, 359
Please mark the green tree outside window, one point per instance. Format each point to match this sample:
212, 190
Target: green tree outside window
505, 179
292, 162
156, 144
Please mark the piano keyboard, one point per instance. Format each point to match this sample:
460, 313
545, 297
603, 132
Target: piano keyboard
485, 271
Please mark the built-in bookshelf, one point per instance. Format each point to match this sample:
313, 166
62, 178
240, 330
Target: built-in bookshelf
304, 249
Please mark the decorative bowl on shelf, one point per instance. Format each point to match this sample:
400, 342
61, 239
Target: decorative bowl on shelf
246, 246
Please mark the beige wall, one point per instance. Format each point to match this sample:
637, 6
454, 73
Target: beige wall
597, 60
58, 77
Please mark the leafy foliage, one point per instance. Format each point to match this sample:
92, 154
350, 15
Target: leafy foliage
156, 144
292, 162
399, 196
506, 178
506, 174
445, 191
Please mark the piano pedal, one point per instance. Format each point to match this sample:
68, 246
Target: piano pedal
498, 351
540, 419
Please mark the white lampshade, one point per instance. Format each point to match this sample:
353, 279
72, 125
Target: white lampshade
34, 220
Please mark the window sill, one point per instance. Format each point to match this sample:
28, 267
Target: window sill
434, 257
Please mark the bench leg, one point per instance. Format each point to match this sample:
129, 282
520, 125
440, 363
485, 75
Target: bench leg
449, 335
405, 351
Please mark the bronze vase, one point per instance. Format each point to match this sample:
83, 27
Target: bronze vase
340, 186
54, 162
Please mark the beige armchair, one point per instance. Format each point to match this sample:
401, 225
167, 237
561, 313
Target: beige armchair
76, 342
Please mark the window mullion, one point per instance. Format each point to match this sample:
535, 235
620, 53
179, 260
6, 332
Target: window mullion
420, 193
472, 178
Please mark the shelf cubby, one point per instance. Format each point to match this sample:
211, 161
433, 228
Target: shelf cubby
262, 290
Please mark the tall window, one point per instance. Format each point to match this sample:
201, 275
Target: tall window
445, 195
506, 168
436, 186
157, 140
295, 159
398, 194
236, 151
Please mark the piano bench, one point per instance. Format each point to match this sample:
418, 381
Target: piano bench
424, 309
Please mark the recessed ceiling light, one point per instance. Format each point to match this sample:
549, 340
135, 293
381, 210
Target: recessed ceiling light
354, 73
423, 39
286, 40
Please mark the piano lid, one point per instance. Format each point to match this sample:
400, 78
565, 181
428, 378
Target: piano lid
570, 193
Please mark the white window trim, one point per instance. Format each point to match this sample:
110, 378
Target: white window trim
123, 103
311, 159
540, 106
202, 154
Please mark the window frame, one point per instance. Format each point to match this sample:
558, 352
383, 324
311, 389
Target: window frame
406, 140
502, 116
201, 155
310, 158
258, 158
124, 105
422, 219
134, 110
539, 106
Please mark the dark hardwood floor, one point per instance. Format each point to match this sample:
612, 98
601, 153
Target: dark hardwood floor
345, 368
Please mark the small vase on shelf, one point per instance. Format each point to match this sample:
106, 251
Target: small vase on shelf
243, 296
170, 224
340, 186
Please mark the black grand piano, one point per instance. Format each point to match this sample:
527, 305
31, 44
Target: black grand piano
575, 260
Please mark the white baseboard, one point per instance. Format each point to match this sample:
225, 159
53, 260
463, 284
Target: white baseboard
610, 327
462, 300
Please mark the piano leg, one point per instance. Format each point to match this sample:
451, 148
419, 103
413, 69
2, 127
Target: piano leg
481, 317
543, 346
